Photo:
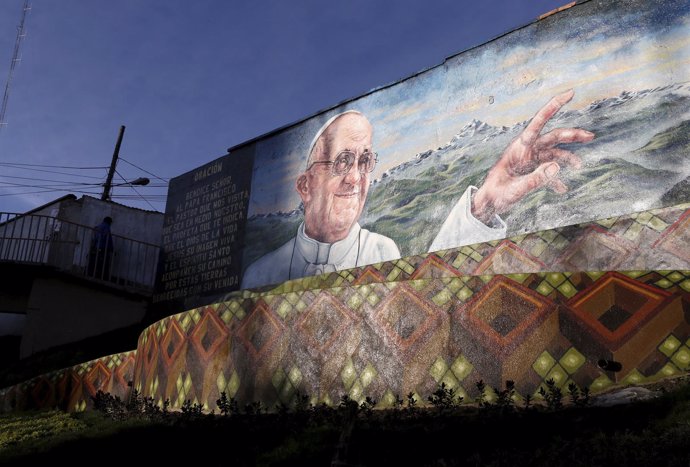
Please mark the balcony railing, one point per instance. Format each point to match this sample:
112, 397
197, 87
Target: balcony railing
71, 248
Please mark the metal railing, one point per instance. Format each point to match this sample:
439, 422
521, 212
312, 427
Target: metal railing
70, 247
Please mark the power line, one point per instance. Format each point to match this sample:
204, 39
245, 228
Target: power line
47, 180
53, 172
55, 166
135, 190
144, 170
15, 59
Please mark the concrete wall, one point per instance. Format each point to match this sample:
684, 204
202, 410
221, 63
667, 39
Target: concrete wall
59, 312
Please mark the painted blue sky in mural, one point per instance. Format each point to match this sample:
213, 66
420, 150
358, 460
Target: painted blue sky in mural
190, 79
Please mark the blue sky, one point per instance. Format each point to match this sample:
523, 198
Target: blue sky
190, 79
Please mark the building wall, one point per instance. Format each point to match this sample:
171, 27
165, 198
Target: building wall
61, 311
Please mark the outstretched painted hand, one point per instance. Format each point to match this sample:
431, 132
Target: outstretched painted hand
530, 162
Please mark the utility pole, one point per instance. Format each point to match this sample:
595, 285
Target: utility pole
21, 33
113, 163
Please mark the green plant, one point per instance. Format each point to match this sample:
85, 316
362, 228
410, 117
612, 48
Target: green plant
302, 402
254, 408
227, 406
444, 398
190, 410
367, 406
505, 398
110, 405
135, 404
481, 399
552, 395
528, 401
411, 403
579, 398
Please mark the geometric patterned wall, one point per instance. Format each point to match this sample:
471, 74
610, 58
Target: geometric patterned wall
388, 338
71, 388
543, 305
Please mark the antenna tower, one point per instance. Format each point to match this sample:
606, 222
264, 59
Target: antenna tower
15, 60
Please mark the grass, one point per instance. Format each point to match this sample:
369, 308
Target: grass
648, 433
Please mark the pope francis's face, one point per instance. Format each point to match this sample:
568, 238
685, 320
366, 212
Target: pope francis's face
333, 193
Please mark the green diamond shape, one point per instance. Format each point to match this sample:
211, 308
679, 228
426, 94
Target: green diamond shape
292, 297
455, 284
544, 288
438, 369
464, 293
461, 367
486, 278
634, 377
395, 272
355, 301
185, 322
518, 277
664, 283
644, 217
226, 316
668, 370
466, 250
607, 222
555, 278
682, 357
373, 299
221, 383
594, 275
459, 260
558, 374
675, 276
442, 297
560, 242
388, 399
633, 231
572, 360
670, 345
548, 235
348, 374
284, 309
543, 363
368, 375
357, 391
286, 392
450, 381
567, 289
476, 256
518, 238
657, 224
538, 248
233, 385
295, 376
633, 274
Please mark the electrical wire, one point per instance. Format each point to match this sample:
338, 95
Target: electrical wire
144, 170
55, 166
52, 171
135, 190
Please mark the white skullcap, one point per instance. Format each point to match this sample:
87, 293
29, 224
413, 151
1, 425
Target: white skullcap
323, 128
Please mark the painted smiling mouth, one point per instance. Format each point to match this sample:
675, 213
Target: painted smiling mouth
347, 195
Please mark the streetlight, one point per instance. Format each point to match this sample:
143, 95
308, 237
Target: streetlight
141, 181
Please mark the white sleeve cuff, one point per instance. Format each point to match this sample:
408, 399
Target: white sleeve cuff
462, 228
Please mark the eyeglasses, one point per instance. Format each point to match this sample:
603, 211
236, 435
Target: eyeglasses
346, 159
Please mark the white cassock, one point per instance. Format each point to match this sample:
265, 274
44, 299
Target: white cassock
303, 256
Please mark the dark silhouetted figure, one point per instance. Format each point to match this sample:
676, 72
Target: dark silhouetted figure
101, 250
